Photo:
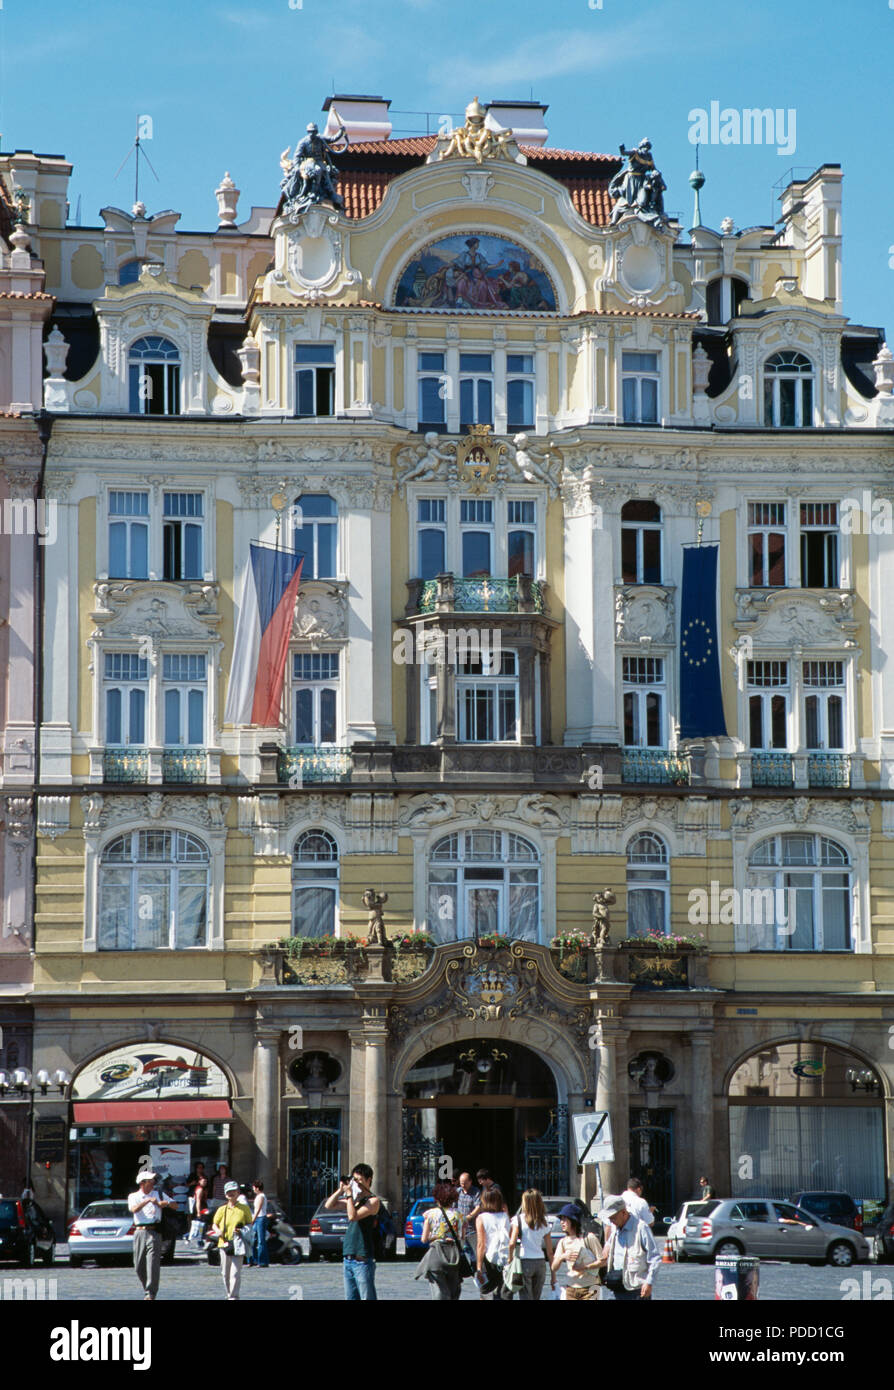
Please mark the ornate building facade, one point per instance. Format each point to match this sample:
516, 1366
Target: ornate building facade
492, 393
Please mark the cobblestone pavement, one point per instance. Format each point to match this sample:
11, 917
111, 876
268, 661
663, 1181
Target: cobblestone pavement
191, 1277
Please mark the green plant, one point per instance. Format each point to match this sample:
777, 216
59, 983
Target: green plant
295, 946
570, 941
416, 940
676, 941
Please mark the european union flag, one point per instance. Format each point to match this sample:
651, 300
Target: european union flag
701, 704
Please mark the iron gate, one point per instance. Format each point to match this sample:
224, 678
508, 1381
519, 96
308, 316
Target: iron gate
652, 1156
314, 1160
420, 1162
545, 1160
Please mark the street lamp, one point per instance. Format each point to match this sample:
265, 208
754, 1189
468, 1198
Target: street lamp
20, 1081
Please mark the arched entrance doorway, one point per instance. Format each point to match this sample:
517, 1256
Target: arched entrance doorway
806, 1116
483, 1103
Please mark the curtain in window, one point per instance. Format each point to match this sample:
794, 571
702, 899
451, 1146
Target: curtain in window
442, 904
114, 910
153, 909
192, 908
797, 1147
645, 911
314, 911
523, 904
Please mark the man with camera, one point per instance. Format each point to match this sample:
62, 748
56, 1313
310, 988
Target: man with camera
355, 1194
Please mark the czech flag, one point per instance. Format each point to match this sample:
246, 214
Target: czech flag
261, 644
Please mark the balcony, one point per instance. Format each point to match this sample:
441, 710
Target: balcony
304, 763
829, 769
452, 594
184, 765
125, 765
658, 766
772, 769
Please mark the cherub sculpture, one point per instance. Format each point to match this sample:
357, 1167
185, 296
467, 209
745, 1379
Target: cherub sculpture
602, 901
375, 931
428, 464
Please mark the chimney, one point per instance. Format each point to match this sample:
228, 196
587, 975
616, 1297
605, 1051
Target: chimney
811, 214
364, 118
526, 120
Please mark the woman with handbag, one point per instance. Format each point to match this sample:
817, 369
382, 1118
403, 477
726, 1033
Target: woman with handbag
530, 1230
444, 1265
492, 1253
581, 1255
229, 1221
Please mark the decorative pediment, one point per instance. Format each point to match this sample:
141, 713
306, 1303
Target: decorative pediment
207, 813
796, 618
639, 264
312, 255
425, 810
131, 609
748, 814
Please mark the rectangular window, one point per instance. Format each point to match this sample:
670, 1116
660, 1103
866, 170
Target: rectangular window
431, 532
476, 530
184, 681
315, 683
487, 699
521, 518
766, 545
433, 387
768, 703
476, 389
639, 387
182, 535
520, 390
154, 388
644, 701
823, 704
129, 535
314, 379
819, 545
126, 689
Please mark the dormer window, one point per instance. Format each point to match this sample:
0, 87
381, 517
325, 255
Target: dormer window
639, 387
154, 376
314, 379
788, 391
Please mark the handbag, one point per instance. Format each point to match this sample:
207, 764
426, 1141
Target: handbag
465, 1269
513, 1273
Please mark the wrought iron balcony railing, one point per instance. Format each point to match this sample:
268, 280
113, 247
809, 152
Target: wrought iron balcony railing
655, 765
184, 765
453, 594
125, 765
306, 763
829, 769
771, 769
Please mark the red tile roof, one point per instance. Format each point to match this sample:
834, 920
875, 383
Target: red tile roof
20, 294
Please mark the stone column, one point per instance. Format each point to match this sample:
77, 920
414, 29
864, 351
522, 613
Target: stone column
266, 1070
375, 1102
702, 1110
611, 1095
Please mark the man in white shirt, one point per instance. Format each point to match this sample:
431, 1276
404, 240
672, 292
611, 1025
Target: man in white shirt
631, 1256
146, 1205
636, 1202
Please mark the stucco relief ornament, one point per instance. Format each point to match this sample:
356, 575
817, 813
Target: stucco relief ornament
309, 176
475, 140
423, 464
638, 189
536, 465
491, 984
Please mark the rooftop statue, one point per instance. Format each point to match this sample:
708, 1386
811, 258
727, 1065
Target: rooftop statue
475, 140
638, 188
309, 176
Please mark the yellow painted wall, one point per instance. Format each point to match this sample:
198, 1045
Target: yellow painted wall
87, 269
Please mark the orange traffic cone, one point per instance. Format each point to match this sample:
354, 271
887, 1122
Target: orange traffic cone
667, 1257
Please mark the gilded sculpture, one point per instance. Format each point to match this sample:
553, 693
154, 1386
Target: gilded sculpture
475, 140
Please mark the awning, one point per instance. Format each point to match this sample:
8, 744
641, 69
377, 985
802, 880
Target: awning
149, 1112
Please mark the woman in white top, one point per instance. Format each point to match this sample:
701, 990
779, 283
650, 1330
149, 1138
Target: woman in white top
531, 1225
492, 1228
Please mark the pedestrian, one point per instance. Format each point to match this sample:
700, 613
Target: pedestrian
146, 1205
631, 1255
705, 1190
636, 1202
530, 1225
467, 1198
355, 1194
199, 1200
492, 1246
581, 1255
218, 1187
485, 1184
442, 1265
229, 1223
259, 1227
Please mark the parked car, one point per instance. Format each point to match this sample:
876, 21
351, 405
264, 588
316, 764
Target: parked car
837, 1207
328, 1227
103, 1231
769, 1229
884, 1235
413, 1226
26, 1234
554, 1205
676, 1230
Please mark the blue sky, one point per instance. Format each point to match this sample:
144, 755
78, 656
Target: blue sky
228, 83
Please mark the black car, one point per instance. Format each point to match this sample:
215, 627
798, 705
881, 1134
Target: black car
328, 1227
26, 1234
839, 1208
884, 1234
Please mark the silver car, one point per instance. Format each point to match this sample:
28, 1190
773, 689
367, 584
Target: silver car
103, 1231
769, 1229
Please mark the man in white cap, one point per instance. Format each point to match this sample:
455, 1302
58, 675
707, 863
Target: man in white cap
146, 1205
631, 1255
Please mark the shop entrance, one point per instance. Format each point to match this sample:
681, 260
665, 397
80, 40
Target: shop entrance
104, 1160
489, 1104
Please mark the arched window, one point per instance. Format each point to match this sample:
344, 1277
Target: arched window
153, 892
648, 886
154, 370
316, 535
788, 390
315, 885
799, 895
641, 542
482, 882
129, 272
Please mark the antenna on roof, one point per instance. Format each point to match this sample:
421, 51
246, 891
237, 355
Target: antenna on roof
138, 151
